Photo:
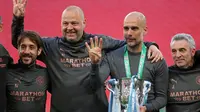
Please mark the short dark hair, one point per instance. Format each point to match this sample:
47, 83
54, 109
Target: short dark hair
32, 35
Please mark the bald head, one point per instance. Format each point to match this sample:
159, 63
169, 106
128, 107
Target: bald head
136, 15
74, 9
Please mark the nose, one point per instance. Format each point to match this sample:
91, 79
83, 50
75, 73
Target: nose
129, 32
178, 54
26, 51
70, 26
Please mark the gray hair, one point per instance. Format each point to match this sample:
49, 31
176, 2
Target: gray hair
184, 36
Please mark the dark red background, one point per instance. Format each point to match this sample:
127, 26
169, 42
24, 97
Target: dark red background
164, 19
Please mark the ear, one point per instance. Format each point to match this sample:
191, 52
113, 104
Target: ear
84, 22
145, 30
193, 52
1, 27
39, 51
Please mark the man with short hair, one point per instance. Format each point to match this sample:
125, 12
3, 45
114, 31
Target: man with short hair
184, 75
4, 60
27, 82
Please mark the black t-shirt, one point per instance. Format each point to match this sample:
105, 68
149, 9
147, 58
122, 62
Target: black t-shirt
4, 60
26, 88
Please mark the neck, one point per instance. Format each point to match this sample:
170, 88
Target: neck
136, 48
190, 64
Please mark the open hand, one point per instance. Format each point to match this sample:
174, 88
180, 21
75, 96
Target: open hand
154, 54
94, 49
19, 7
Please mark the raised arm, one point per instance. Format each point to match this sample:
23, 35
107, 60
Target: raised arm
95, 78
18, 25
18, 20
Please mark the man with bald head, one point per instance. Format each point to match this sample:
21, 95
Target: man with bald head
73, 75
74, 31
131, 60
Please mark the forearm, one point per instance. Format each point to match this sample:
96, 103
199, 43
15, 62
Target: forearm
110, 43
92, 82
148, 44
16, 29
98, 75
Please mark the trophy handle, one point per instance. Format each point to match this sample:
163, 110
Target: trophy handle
112, 82
114, 103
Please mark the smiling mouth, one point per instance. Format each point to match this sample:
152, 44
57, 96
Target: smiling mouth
71, 34
179, 61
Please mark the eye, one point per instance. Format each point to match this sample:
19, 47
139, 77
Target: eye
134, 28
126, 28
74, 23
173, 50
23, 47
32, 47
65, 23
182, 50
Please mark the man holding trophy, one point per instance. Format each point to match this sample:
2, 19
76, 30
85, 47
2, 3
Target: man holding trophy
137, 85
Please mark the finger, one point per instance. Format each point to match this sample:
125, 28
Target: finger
96, 54
161, 56
100, 43
158, 58
91, 43
21, 9
96, 41
18, 1
152, 55
25, 2
87, 46
22, 1
14, 2
149, 54
154, 59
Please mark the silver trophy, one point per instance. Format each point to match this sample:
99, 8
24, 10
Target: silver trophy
127, 94
139, 94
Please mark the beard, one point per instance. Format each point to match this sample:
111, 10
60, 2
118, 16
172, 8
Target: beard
135, 44
27, 58
133, 47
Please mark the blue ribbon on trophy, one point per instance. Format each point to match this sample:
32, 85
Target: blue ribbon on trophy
138, 94
127, 94
114, 100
